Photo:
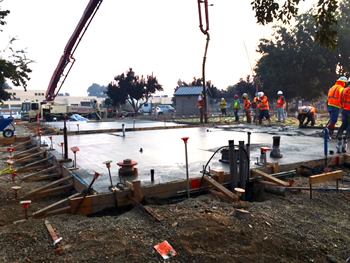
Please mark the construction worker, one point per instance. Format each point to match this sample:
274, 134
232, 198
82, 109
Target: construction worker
223, 106
201, 106
281, 105
236, 106
247, 108
263, 105
308, 113
255, 108
334, 103
345, 114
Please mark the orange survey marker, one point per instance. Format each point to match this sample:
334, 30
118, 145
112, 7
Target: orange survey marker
165, 250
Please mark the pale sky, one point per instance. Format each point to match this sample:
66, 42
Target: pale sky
159, 36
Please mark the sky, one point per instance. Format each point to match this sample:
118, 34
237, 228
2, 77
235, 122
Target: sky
154, 36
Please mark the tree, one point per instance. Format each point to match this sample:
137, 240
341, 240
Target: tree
14, 67
97, 90
131, 89
325, 17
295, 63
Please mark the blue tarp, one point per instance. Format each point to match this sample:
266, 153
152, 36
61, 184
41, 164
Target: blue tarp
77, 117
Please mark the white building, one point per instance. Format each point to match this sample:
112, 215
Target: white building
20, 96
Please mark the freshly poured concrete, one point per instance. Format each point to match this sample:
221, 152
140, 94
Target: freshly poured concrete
164, 150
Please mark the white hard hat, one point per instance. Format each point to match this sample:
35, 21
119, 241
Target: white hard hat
305, 109
222, 98
279, 92
344, 79
245, 95
260, 94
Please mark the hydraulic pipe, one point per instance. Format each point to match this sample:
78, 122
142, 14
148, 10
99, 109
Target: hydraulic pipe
242, 170
233, 164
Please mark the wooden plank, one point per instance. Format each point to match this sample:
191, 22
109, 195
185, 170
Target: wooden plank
48, 186
269, 177
22, 144
40, 172
221, 188
51, 207
148, 210
37, 162
322, 178
25, 159
35, 168
93, 203
55, 190
44, 177
20, 154
137, 188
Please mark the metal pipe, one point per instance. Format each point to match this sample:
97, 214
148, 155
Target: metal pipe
65, 137
233, 164
242, 171
185, 139
123, 129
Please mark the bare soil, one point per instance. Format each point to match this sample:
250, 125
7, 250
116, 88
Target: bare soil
283, 228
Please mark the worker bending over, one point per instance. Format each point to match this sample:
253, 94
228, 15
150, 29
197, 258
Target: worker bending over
307, 113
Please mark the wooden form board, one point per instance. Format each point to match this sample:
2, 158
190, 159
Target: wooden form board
269, 177
221, 188
325, 177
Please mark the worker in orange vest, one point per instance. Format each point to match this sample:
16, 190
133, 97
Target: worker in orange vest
201, 106
334, 103
263, 105
281, 105
308, 113
345, 115
247, 106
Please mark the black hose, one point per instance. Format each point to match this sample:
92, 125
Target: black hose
205, 167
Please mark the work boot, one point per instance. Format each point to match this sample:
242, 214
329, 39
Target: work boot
340, 133
260, 121
269, 122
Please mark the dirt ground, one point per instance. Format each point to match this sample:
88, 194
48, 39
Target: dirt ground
283, 228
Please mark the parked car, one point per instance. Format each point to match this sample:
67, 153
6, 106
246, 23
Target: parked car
166, 108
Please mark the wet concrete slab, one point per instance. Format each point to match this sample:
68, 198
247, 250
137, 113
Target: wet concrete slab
164, 150
115, 124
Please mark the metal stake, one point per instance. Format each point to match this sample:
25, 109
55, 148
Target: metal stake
185, 139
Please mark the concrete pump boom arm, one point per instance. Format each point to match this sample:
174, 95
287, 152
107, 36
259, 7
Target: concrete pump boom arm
59, 76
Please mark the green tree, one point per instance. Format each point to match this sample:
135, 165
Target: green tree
129, 88
295, 63
13, 65
97, 90
325, 17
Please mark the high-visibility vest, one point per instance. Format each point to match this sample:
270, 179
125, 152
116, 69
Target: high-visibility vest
312, 110
346, 98
334, 94
236, 104
281, 102
247, 104
264, 103
201, 102
223, 104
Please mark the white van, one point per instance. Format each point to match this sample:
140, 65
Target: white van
148, 108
